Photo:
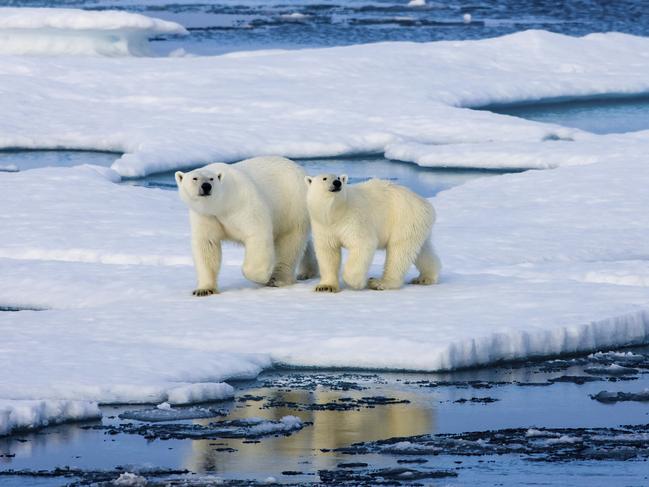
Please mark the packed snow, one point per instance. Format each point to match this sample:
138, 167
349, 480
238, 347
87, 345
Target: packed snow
535, 264
61, 31
404, 99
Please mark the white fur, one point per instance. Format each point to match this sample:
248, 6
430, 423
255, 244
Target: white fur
363, 218
260, 203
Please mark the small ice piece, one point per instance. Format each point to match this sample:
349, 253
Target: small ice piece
466, 18
417, 3
270, 480
165, 406
535, 433
564, 439
294, 17
128, 479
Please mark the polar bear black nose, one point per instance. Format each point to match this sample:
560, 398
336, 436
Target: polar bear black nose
206, 187
337, 184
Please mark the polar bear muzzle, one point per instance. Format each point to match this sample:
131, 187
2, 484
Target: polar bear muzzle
337, 185
206, 189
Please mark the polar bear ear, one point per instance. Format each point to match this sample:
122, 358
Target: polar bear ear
308, 179
343, 178
179, 177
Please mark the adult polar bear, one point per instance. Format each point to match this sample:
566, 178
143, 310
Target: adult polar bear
259, 202
362, 218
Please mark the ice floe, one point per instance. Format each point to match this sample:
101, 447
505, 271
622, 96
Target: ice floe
407, 100
72, 32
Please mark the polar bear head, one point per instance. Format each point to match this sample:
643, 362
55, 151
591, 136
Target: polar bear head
200, 189
327, 185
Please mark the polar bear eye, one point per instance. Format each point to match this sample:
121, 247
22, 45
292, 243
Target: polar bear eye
211, 179
324, 179
195, 179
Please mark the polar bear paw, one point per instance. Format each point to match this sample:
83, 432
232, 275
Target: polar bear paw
326, 288
423, 281
276, 281
204, 292
376, 284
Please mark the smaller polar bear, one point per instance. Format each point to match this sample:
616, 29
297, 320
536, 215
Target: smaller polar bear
260, 203
362, 218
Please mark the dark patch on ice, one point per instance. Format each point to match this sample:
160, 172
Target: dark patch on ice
384, 476
90, 477
613, 370
536, 444
251, 428
352, 465
19, 308
574, 379
156, 415
337, 382
477, 400
341, 404
412, 460
612, 397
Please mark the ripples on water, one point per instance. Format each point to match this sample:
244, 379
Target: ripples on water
231, 25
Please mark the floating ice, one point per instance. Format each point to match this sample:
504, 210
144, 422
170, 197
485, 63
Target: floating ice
61, 31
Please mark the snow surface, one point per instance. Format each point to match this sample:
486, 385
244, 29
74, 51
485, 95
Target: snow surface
403, 99
535, 264
62, 31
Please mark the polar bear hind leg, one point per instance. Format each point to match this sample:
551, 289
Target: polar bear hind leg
428, 265
308, 268
288, 250
399, 256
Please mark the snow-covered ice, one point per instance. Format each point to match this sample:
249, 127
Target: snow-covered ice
403, 99
61, 31
29, 415
535, 264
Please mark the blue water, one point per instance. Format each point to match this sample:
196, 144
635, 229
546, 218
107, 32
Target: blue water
599, 116
232, 25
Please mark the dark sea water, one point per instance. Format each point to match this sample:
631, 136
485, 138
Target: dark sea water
233, 25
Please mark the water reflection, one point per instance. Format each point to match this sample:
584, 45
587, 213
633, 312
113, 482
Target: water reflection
329, 430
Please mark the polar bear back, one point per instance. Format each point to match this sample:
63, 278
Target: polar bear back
279, 182
394, 212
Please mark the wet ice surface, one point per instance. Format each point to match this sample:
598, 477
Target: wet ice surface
516, 424
223, 26
425, 181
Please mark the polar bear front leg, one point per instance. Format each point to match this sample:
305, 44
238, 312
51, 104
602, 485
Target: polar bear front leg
328, 256
260, 258
358, 264
206, 250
